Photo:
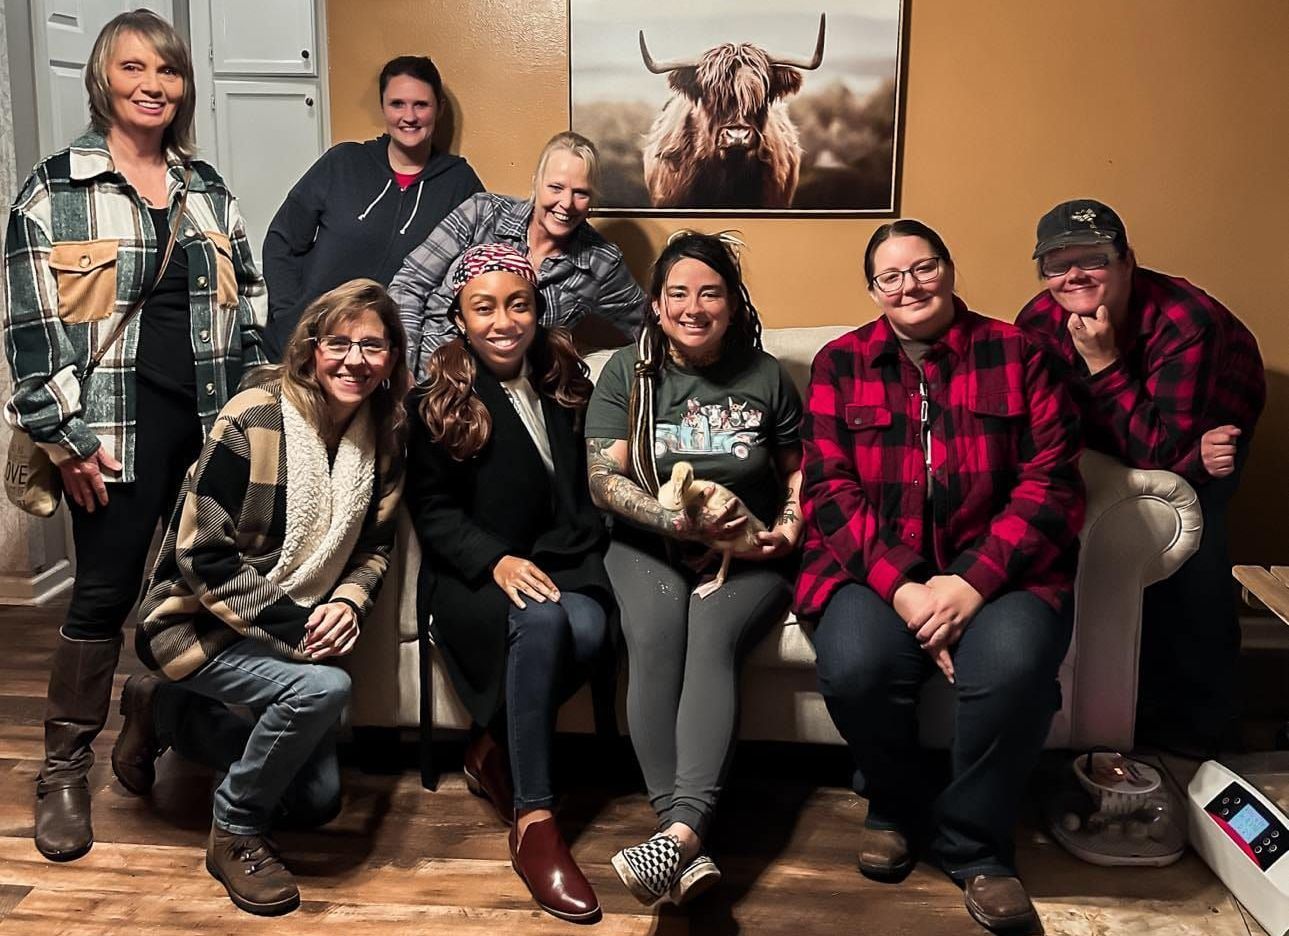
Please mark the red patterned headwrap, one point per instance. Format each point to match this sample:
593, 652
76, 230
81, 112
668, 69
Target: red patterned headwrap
486, 258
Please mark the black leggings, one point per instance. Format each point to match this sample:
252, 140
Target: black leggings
112, 542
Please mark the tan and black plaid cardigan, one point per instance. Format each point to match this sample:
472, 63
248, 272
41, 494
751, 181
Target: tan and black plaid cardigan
208, 588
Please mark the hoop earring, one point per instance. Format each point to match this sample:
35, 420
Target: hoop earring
384, 384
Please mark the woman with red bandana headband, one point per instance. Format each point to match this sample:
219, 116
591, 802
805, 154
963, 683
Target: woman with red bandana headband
513, 574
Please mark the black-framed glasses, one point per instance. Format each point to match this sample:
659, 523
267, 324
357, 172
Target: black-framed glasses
336, 347
924, 271
1052, 268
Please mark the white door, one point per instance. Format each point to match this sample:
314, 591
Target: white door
63, 35
252, 37
268, 134
261, 111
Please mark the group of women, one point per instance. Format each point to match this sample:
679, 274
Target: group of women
922, 507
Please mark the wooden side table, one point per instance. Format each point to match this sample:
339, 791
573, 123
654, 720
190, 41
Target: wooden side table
1267, 588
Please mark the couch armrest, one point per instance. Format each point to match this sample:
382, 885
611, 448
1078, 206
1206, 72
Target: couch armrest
1141, 526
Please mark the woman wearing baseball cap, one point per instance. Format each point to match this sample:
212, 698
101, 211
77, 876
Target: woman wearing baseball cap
513, 574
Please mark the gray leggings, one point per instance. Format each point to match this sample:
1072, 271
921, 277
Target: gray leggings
683, 654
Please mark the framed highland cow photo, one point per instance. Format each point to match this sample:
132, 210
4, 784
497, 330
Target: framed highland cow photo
731, 107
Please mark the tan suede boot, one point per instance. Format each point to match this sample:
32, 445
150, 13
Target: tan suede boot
80, 689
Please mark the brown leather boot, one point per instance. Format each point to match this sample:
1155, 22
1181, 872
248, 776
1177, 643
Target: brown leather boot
251, 871
487, 775
134, 756
80, 689
544, 863
999, 903
884, 854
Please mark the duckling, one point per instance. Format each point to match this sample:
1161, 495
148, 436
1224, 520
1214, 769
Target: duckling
685, 492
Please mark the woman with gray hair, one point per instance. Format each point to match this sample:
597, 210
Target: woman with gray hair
123, 221
578, 271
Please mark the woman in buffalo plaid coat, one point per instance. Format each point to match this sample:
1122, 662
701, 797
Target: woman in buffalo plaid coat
942, 502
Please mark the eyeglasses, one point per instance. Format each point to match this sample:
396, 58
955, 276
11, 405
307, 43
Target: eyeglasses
1054, 268
892, 281
336, 347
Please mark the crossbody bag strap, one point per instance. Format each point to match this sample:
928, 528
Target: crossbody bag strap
119, 330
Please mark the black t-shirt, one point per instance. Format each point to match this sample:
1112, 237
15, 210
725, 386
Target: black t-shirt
164, 358
726, 420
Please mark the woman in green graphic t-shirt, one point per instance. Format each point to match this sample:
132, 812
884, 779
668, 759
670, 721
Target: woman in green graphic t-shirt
696, 387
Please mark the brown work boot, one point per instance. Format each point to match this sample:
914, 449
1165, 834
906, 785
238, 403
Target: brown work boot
487, 775
999, 902
80, 690
884, 854
251, 871
134, 756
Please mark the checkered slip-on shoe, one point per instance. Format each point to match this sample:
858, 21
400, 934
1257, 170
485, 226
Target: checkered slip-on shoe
650, 868
697, 877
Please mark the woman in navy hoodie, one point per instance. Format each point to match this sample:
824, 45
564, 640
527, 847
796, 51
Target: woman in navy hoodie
362, 207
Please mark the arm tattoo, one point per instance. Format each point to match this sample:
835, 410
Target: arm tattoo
790, 514
612, 490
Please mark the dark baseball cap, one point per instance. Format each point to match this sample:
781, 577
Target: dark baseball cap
1081, 221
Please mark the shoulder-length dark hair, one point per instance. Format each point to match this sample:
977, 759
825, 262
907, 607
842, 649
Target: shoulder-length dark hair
171, 49
744, 333
299, 382
457, 418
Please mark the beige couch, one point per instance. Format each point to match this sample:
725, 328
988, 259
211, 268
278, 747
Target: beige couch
1141, 525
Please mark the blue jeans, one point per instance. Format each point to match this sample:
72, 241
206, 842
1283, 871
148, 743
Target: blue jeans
282, 764
871, 670
551, 648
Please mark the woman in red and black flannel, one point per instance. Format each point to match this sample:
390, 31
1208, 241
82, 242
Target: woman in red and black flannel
942, 503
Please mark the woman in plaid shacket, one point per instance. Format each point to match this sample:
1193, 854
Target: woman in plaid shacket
275, 553
942, 503
85, 241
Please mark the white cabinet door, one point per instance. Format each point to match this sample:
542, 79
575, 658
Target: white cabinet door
255, 37
270, 132
63, 35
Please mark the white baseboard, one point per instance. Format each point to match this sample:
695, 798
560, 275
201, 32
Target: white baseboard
38, 589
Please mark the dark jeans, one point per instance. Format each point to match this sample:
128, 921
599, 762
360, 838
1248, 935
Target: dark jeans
870, 672
552, 646
1190, 635
282, 762
112, 542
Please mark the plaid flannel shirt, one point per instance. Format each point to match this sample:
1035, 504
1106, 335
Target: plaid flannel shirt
1186, 365
76, 219
589, 277
209, 587
1007, 498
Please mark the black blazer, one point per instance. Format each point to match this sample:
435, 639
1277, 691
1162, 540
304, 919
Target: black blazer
468, 515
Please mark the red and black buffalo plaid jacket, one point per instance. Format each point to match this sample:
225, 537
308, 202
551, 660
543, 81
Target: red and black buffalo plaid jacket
1186, 365
1006, 493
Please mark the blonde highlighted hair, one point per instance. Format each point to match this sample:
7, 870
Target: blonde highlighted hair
322, 317
580, 147
172, 50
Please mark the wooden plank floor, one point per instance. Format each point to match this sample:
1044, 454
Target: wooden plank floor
400, 857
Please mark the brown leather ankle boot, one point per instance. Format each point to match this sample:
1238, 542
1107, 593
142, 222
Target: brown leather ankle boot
80, 689
134, 756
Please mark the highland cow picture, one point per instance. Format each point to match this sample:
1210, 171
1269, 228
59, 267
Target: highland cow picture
739, 106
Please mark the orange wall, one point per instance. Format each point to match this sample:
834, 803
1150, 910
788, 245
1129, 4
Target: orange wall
1172, 111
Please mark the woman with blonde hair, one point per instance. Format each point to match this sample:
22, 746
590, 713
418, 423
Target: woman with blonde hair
276, 550
132, 314
578, 271
513, 581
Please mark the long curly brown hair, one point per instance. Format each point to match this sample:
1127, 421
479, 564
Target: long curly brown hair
457, 418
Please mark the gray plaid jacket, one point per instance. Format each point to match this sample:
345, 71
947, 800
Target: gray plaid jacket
80, 249
591, 276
